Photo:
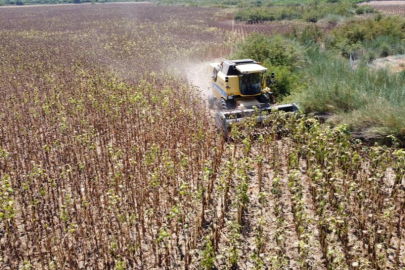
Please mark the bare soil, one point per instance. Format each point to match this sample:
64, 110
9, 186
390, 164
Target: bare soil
198, 74
394, 63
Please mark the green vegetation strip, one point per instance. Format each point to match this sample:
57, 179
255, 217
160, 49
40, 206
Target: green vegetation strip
329, 72
310, 13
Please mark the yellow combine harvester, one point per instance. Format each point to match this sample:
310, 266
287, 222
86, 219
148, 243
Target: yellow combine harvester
239, 90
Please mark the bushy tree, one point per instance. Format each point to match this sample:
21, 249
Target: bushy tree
279, 55
273, 49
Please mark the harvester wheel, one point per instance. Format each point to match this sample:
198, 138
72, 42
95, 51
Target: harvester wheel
264, 99
226, 104
211, 101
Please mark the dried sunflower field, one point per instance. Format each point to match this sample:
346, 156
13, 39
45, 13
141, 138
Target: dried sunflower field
110, 160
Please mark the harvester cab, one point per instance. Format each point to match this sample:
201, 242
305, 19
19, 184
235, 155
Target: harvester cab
239, 89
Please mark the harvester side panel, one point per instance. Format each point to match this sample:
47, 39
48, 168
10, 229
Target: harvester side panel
233, 83
220, 86
218, 92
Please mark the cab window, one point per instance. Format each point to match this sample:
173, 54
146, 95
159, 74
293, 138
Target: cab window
250, 84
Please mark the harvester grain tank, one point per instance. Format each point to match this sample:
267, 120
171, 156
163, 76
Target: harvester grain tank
239, 90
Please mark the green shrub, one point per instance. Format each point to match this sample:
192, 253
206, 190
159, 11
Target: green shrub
364, 10
311, 34
370, 29
312, 16
384, 36
385, 50
285, 80
360, 11
370, 57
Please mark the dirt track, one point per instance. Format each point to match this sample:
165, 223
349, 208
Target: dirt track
199, 76
389, 7
384, 3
